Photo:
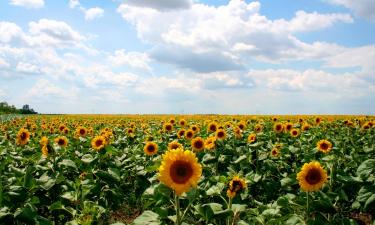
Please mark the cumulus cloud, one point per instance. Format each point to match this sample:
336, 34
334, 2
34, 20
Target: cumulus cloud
90, 14
44, 88
226, 37
31, 4
93, 13
362, 8
3, 64
161, 4
133, 59
24, 67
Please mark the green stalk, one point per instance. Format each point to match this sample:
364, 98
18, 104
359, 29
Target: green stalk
307, 206
177, 202
229, 207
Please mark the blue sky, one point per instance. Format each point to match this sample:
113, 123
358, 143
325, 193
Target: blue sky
189, 56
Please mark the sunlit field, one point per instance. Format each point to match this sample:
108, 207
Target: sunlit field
181, 169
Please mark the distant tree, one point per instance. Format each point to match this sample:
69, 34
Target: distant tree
5, 108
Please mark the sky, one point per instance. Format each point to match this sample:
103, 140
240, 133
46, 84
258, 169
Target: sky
189, 56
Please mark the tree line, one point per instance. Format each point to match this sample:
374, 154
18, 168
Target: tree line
5, 108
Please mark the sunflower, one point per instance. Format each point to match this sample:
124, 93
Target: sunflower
212, 127
236, 185
174, 145
168, 127
62, 141
324, 146
172, 120
242, 125
194, 128
306, 127
130, 132
62, 127
98, 142
44, 141
237, 132
288, 126
220, 134
275, 152
278, 127
151, 148
312, 176
81, 131
294, 132
66, 130
251, 138
180, 170
182, 122
181, 133
189, 134
210, 143
23, 136
318, 120
45, 151
258, 128
197, 144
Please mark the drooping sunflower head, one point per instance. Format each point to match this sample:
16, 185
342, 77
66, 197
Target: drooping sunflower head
180, 170
221, 134
61, 141
189, 134
324, 146
98, 142
168, 127
44, 151
212, 127
23, 136
151, 148
174, 145
197, 144
181, 133
236, 185
312, 176
210, 143
258, 128
294, 132
44, 141
251, 138
306, 127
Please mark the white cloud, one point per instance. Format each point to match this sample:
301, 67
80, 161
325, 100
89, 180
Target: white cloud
31, 4
9, 31
162, 4
44, 88
3, 64
226, 36
93, 13
24, 67
73, 3
362, 8
133, 59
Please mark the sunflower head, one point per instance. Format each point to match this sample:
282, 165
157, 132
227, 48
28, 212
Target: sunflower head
23, 136
210, 143
236, 185
182, 122
258, 128
197, 144
288, 126
212, 127
44, 141
194, 128
220, 134
189, 134
275, 152
174, 145
312, 176
318, 120
242, 125
324, 146
306, 127
98, 142
251, 138
181, 133
61, 141
44, 151
294, 132
180, 170
168, 127
151, 148
237, 132
278, 127
81, 131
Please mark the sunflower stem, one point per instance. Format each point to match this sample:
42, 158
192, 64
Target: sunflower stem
229, 207
307, 206
177, 202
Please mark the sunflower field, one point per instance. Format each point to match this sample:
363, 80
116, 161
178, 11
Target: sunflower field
187, 169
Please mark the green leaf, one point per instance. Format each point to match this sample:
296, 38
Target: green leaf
68, 163
366, 169
88, 158
295, 220
147, 217
241, 158
216, 189
26, 214
369, 201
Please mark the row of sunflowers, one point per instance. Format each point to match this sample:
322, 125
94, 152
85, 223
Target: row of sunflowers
187, 169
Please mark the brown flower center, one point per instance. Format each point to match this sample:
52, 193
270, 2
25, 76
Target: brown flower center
99, 142
313, 176
61, 141
181, 172
324, 146
23, 136
150, 148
